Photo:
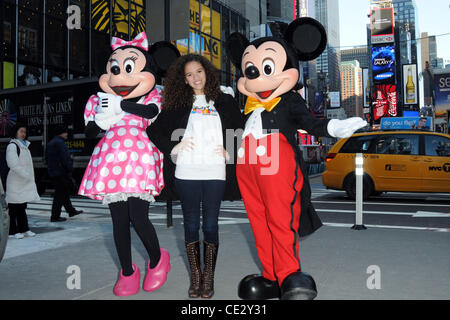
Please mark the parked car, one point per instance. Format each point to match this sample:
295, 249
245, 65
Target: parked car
407, 160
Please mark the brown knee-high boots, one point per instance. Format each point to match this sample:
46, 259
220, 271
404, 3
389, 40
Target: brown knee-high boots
202, 283
210, 258
193, 254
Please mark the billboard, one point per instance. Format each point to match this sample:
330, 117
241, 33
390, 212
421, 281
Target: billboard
406, 123
383, 64
335, 100
410, 84
382, 25
384, 101
366, 87
442, 93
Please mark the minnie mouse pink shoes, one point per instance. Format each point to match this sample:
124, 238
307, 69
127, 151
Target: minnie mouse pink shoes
128, 285
157, 276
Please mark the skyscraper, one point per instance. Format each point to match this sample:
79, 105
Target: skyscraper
408, 29
351, 88
328, 62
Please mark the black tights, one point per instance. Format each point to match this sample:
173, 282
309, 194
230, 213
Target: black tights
136, 211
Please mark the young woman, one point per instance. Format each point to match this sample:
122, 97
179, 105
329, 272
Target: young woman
195, 109
20, 184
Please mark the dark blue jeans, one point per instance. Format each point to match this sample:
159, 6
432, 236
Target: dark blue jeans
209, 194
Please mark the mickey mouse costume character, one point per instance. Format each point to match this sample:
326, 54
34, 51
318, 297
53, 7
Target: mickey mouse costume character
275, 191
126, 168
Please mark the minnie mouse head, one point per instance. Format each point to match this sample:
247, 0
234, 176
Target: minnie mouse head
133, 67
270, 64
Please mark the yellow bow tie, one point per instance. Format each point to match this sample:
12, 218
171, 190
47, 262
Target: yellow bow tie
253, 104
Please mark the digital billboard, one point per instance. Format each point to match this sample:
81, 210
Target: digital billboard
410, 84
384, 101
382, 22
383, 64
442, 93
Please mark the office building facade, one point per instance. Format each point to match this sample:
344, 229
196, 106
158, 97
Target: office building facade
46, 41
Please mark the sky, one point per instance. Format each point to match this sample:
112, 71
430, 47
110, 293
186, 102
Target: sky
434, 18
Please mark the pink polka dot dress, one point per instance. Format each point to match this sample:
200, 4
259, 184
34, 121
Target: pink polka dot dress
125, 162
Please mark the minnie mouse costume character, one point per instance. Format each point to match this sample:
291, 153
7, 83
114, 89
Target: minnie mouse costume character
275, 191
126, 168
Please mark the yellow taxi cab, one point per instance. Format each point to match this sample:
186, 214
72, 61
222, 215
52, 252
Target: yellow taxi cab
400, 160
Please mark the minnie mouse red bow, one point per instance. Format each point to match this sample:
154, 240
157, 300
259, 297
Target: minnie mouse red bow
139, 41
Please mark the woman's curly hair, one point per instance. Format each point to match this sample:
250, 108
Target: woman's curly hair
177, 93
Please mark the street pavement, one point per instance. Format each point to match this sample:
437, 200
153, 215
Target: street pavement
77, 260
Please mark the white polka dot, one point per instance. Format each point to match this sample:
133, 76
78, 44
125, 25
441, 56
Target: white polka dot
117, 170
134, 156
241, 153
104, 147
89, 106
144, 134
109, 135
156, 156
122, 156
100, 186
139, 170
132, 183
139, 36
99, 160
261, 150
144, 43
120, 123
151, 175
121, 131
133, 122
96, 151
128, 143
104, 172
128, 169
109, 157
95, 163
123, 182
140, 145
112, 184
115, 144
146, 158
89, 185
142, 184
151, 187
134, 131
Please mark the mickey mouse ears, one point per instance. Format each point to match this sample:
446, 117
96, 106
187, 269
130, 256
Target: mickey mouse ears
305, 35
308, 37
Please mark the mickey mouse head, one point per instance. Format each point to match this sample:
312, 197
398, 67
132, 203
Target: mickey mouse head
270, 64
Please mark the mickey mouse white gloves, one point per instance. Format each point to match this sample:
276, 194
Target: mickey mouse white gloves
108, 110
345, 128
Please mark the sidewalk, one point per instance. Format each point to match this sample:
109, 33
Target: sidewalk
412, 264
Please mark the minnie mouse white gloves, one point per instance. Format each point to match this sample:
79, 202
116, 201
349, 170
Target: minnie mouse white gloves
108, 110
345, 128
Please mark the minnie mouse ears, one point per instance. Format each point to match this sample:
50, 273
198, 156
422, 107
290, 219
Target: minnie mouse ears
305, 35
162, 55
308, 37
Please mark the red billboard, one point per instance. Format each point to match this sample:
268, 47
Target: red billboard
384, 101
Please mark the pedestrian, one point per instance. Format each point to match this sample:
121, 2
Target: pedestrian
20, 185
60, 166
125, 170
196, 170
